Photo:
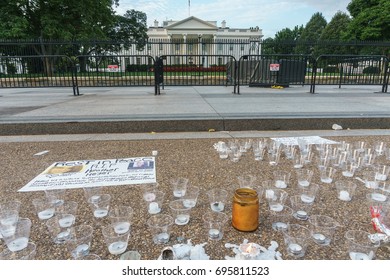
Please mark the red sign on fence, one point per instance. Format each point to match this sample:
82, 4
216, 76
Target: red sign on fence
274, 67
113, 68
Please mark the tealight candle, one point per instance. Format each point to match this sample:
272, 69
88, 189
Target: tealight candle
380, 177
63, 235
280, 226
95, 198
182, 219
307, 198
280, 184
122, 227
154, 208
302, 214
295, 248
162, 237
378, 197
304, 183
344, 195
249, 249
149, 197
276, 207
217, 206
214, 233
66, 221
347, 174
319, 237
371, 184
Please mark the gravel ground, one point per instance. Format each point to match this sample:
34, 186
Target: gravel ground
196, 160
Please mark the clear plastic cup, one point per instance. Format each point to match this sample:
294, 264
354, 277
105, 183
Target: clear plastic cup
217, 199
360, 246
19, 240
160, 226
180, 212
296, 239
116, 242
44, 208
101, 206
214, 224
80, 242
121, 218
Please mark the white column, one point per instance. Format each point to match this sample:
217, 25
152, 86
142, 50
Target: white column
185, 51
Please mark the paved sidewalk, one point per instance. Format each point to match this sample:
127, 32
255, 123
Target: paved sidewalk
182, 125
184, 109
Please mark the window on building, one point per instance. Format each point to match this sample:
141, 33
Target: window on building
220, 61
242, 47
231, 47
220, 47
160, 46
138, 60
149, 47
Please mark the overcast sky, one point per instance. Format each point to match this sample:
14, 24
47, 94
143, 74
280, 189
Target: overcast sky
270, 15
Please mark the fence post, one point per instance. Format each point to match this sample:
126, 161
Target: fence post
313, 75
235, 74
74, 80
158, 74
386, 76
341, 75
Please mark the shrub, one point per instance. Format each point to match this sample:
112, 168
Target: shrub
371, 70
137, 67
331, 69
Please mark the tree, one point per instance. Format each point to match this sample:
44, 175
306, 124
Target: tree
71, 20
333, 33
370, 19
311, 33
130, 27
285, 39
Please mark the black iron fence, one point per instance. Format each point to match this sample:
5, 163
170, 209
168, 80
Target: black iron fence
38, 71
350, 70
272, 70
199, 62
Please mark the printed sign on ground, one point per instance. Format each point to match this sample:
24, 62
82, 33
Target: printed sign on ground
92, 173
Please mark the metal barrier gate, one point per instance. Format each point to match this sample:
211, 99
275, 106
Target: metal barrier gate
115, 70
38, 71
197, 70
272, 70
350, 70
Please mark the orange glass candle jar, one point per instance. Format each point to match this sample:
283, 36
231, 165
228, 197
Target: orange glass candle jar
245, 215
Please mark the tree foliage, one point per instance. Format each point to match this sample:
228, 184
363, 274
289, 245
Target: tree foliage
370, 19
311, 33
57, 19
334, 31
284, 41
83, 21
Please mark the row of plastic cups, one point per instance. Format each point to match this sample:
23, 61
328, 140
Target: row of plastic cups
80, 239
160, 226
154, 199
296, 237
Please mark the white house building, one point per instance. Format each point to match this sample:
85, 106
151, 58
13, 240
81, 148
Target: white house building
195, 37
